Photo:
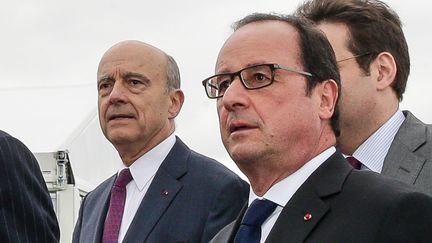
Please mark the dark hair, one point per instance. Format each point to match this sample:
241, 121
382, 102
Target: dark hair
316, 53
173, 74
373, 27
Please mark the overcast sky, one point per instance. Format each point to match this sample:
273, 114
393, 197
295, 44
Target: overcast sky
50, 50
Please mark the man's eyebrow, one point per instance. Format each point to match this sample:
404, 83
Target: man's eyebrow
109, 77
106, 77
136, 75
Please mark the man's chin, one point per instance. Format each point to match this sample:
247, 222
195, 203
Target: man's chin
242, 154
119, 138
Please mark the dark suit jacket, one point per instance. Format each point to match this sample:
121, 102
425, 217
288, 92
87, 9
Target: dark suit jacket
410, 155
26, 209
349, 206
203, 196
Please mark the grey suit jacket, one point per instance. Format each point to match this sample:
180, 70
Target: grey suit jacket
202, 197
409, 158
348, 206
26, 209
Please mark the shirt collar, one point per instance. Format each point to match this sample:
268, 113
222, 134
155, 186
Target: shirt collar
372, 152
145, 167
281, 192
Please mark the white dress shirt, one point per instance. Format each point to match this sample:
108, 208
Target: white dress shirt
372, 152
143, 171
281, 192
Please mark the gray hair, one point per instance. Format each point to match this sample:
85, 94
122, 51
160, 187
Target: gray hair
173, 74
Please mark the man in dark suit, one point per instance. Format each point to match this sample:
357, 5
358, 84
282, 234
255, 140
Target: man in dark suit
374, 64
26, 209
277, 86
165, 192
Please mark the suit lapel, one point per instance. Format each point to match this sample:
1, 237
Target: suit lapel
402, 162
328, 179
236, 224
94, 219
227, 233
162, 191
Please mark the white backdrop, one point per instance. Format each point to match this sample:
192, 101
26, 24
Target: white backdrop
50, 49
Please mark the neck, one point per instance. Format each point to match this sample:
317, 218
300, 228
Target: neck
263, 176
130, 152
262, 181
130, 156
354, 134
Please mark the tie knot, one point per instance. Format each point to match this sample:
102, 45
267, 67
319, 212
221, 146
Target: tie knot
123, 178
258, 212
354, 162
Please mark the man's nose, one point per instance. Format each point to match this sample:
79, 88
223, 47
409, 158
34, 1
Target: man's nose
118, 93
236, 95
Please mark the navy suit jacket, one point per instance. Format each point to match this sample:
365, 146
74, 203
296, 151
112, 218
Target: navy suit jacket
26, 209
348, 205
203, 196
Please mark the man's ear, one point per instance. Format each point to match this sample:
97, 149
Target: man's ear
386, 66
177, 99
329, 94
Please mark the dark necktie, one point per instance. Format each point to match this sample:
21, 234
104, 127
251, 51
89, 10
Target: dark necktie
116, 207
250, 227
354, 162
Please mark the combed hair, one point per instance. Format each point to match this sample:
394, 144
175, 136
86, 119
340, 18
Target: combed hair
373, 28
316, 53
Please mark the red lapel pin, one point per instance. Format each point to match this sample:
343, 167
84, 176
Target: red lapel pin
307, 217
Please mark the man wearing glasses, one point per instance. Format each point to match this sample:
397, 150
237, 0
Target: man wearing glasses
374, 64
276, 88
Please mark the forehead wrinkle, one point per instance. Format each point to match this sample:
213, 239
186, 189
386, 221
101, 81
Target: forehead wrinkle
241, 41
228, 71
117, 72
124, 75
111, 75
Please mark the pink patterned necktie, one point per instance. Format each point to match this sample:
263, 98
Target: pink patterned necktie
116, 207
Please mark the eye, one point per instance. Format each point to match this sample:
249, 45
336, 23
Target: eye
257, 76
135, 81
260, 77
223, 85
104, 85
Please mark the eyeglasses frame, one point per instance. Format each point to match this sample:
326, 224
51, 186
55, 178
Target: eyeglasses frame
355, 56
273, 67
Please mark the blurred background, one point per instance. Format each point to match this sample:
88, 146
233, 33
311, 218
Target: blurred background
49, 52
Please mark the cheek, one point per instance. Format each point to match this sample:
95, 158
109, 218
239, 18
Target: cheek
222, 121
221, 112
294, 112
101, 113
351, 82
102, 107
150, 111
223, 116
353, 91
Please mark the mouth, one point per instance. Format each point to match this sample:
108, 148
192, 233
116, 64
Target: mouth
240, 126
120, 117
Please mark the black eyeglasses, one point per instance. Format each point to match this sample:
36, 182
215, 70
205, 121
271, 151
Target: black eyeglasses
355, 56
253, 77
